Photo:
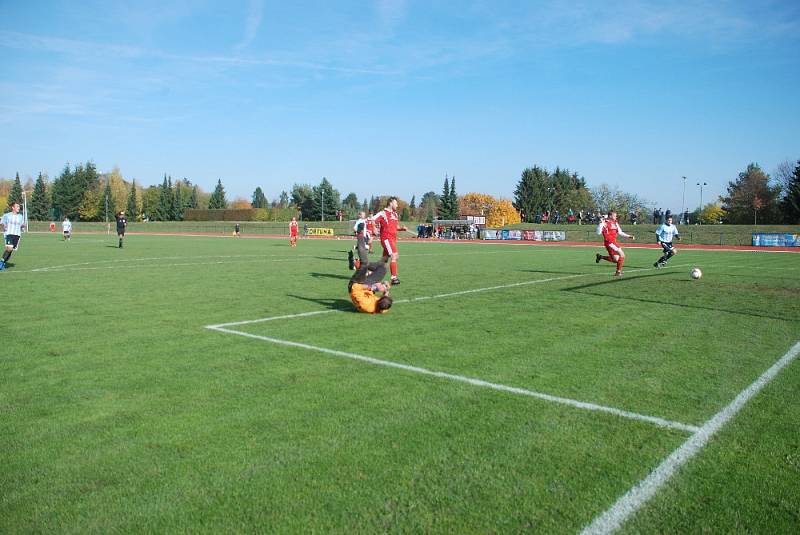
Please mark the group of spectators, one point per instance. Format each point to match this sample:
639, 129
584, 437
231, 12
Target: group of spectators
451, 232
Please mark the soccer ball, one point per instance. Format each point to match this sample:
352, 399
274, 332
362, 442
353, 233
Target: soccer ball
696, 273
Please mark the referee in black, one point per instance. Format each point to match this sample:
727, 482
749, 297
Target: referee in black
122, 224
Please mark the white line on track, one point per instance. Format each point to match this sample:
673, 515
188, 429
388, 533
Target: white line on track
640, 494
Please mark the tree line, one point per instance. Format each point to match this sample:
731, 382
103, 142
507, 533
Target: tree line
81, 193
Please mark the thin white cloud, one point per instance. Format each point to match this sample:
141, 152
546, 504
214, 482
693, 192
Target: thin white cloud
255, 12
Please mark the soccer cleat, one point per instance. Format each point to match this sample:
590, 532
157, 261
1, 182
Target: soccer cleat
657, 265
618, 274
597, 258
395, 281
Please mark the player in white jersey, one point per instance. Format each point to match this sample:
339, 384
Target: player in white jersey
66, 228
664, 235
13, 223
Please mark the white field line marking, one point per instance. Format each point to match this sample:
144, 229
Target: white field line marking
638, 495
82, 266
438, 296
661, 422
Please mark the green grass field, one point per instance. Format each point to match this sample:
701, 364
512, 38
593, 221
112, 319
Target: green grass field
510, 389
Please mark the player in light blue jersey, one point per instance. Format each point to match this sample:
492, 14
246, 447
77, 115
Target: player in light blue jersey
13, 223
665, 234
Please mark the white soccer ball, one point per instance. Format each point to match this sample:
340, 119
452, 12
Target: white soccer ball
696, 273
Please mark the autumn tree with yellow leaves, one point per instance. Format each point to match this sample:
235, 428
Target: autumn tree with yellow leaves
502, 213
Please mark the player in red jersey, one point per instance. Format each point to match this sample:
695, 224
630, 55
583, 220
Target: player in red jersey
370, 231
387, 221
610, 229
293, 232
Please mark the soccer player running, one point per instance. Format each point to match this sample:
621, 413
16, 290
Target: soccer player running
66, 228
610, 229
366, 285
293, 232
122, 224
13, 223
664, 235
387, 222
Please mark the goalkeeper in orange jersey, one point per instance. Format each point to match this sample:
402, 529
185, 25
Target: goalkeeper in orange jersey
367, 290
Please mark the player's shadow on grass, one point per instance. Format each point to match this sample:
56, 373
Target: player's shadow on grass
330, 276
334, 304
582, 289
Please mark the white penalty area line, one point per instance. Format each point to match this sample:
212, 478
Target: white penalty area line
633, 500
661, 422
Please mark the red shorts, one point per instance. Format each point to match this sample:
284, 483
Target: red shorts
389, 246
293, 234
614, 249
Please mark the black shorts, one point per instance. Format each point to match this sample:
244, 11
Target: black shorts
120, 232
12, 239
666, 246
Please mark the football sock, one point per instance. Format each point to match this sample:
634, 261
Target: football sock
6, 255
120, 243
393, 269
619, 263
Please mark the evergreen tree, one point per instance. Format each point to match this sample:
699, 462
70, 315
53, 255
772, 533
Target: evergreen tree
15, 195
790, 206
177, 205
59, 193
105, 208
165, 199
445, 209
40, 203
454, 209
193, 200
325, 201
259, 199
284, 200
131, 209
365, 206
217, 199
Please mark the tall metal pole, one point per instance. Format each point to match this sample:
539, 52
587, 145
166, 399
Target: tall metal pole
699, 218
683, 202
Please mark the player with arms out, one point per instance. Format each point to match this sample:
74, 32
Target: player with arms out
367, 290
609, 228
664, 235
13, 222
387, 222
293, 232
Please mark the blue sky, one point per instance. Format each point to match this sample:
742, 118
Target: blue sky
385, 97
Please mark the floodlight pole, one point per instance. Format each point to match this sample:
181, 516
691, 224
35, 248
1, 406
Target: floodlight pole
700, 218
683, 201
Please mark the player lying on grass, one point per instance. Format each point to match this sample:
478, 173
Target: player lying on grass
367, 290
